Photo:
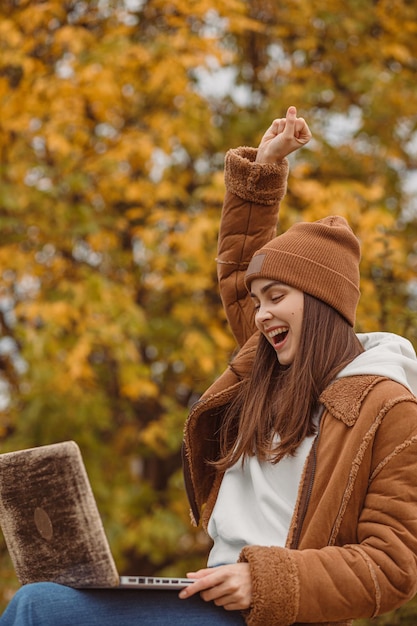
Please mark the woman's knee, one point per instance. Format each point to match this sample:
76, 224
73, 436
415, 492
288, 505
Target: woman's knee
33, 604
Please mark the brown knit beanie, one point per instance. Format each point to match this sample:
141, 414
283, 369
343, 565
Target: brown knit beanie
320, 258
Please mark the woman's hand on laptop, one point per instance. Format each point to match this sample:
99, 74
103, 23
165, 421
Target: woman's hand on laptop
229, 586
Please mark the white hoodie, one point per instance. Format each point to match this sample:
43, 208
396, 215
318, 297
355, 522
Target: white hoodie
255, 503
387, 355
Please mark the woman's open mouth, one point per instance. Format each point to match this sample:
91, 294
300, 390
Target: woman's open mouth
278, 335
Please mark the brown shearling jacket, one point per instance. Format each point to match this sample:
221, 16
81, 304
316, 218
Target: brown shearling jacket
351, 551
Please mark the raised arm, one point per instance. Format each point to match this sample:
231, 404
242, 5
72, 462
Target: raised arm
256, 182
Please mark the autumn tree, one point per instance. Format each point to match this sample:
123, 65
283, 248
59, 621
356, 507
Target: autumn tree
115, 117
110, 189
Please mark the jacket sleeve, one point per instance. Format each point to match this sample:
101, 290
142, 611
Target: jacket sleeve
375, 573
249, 220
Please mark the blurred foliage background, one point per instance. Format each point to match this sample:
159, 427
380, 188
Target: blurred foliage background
115, 116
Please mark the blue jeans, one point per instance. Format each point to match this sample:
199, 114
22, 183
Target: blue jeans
49, 604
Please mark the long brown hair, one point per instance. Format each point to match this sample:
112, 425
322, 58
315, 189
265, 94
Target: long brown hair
283, 400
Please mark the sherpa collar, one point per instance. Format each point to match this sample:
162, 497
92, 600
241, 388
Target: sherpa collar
344, 398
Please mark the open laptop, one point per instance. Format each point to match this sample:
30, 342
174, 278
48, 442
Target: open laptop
51, 524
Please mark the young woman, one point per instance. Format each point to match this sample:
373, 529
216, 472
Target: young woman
304, 453
301, 459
